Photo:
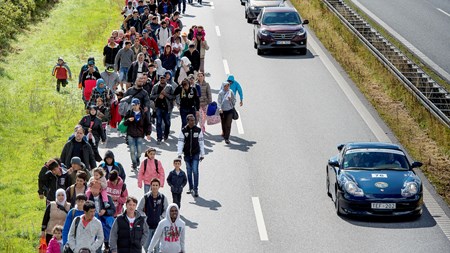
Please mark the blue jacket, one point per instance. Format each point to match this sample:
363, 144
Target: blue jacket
69, 218
235, 87
177, 182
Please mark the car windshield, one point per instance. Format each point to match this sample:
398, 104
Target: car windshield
375, 159
281, 18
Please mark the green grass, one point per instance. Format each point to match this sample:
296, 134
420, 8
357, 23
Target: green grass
425, 138
36, 120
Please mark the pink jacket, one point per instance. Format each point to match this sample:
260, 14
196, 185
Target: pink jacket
150, 173
119, 197
54, 246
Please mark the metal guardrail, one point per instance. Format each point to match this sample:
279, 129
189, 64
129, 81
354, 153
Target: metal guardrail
431, 95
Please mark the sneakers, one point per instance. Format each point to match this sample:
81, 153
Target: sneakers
158, 142
189, 192
195, 193
227, 141
166, 138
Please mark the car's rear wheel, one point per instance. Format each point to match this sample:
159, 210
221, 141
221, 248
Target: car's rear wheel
255, 45
249, 20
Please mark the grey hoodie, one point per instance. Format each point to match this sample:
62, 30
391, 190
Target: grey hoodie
90, 237
125, 56
169, 235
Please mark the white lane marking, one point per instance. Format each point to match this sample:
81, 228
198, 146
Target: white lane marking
217, 31
443, 12
225, 66
239, 124
432, 206
212, 5
400, 38
362, 110
260, 219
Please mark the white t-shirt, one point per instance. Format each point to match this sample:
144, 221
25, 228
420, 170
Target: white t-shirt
131, 221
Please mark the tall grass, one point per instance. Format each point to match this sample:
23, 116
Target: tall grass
35, 120
425, 138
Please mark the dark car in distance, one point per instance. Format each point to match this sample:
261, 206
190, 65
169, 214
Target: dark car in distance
280, 28
254, 7
373, 179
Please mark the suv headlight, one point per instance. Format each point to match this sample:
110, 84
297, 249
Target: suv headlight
264, 32
301, 32
253, 8
410, 189
353, 189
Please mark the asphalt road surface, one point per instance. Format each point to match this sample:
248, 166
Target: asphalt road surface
265, 192
424, 24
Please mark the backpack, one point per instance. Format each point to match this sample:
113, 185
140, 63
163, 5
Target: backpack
157, 33
156, 165
125, 103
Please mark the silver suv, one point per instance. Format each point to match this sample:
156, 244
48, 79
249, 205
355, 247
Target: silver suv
254, 7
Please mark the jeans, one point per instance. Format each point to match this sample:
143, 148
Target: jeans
184, 5
146, 188
151, 232
184, 113
135, 145
123, 74
192, 168
162, 115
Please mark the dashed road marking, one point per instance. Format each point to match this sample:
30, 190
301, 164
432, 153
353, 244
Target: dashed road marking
260, 219
225, 67
212, 5
443, 12
239, 124
217, 31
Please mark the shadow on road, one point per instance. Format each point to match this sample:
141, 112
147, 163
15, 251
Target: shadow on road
189, 223
211, 204
426, 220
287, 54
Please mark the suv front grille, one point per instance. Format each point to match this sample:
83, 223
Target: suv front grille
283, 36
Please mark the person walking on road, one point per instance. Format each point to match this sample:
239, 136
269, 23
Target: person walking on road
225, 104
189, 101
205, 98
79, 187
118, 191
191, 144
109, 164
122, 63
162, 95
139, 126
170, 232
129, 231
78, 146
177, 180
150, 168
153, 205
72, 214
93, 130
89, 232
236, 88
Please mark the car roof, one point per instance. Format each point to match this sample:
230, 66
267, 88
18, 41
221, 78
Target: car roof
377, 145
279, 9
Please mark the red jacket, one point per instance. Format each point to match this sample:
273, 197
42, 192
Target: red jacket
61, 71
150, 43
118, 193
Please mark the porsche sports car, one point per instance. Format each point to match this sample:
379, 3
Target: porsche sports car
373, 179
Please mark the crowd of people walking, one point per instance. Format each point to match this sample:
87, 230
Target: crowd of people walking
153, 64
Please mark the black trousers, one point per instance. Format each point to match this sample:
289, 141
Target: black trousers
226, 120
177, 199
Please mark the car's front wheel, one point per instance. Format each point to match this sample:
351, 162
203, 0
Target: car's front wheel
302, 51
336, 204
259, 51
328, 187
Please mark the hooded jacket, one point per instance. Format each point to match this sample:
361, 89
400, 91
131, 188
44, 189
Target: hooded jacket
159, 70
169, 60
61, 71
53, 182
118, 193
115, 166
235, 87
93, 122
124, 239
170, 234
88, 154
138, 129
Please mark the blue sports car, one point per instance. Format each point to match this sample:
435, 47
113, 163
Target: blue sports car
374, 179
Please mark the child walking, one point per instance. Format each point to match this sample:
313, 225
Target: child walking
56, 243
150, 168
177, 180
98, 181
61, 71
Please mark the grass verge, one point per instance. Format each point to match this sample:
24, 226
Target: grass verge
417, 130
36, 120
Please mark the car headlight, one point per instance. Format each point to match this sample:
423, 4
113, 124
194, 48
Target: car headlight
264, 32
253, 8
301, 32
410, 189
353, 189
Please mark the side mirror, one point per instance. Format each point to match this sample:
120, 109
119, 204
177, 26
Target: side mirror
339, 148
255, 22
333, 163
305, 22
416, 164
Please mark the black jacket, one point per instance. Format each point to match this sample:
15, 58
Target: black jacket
191, 140
140, 94
110, 54
88, 154
188, 99
97, 130
53, 182
133, 71
138, 129
176, 182
130, 240
194, 57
